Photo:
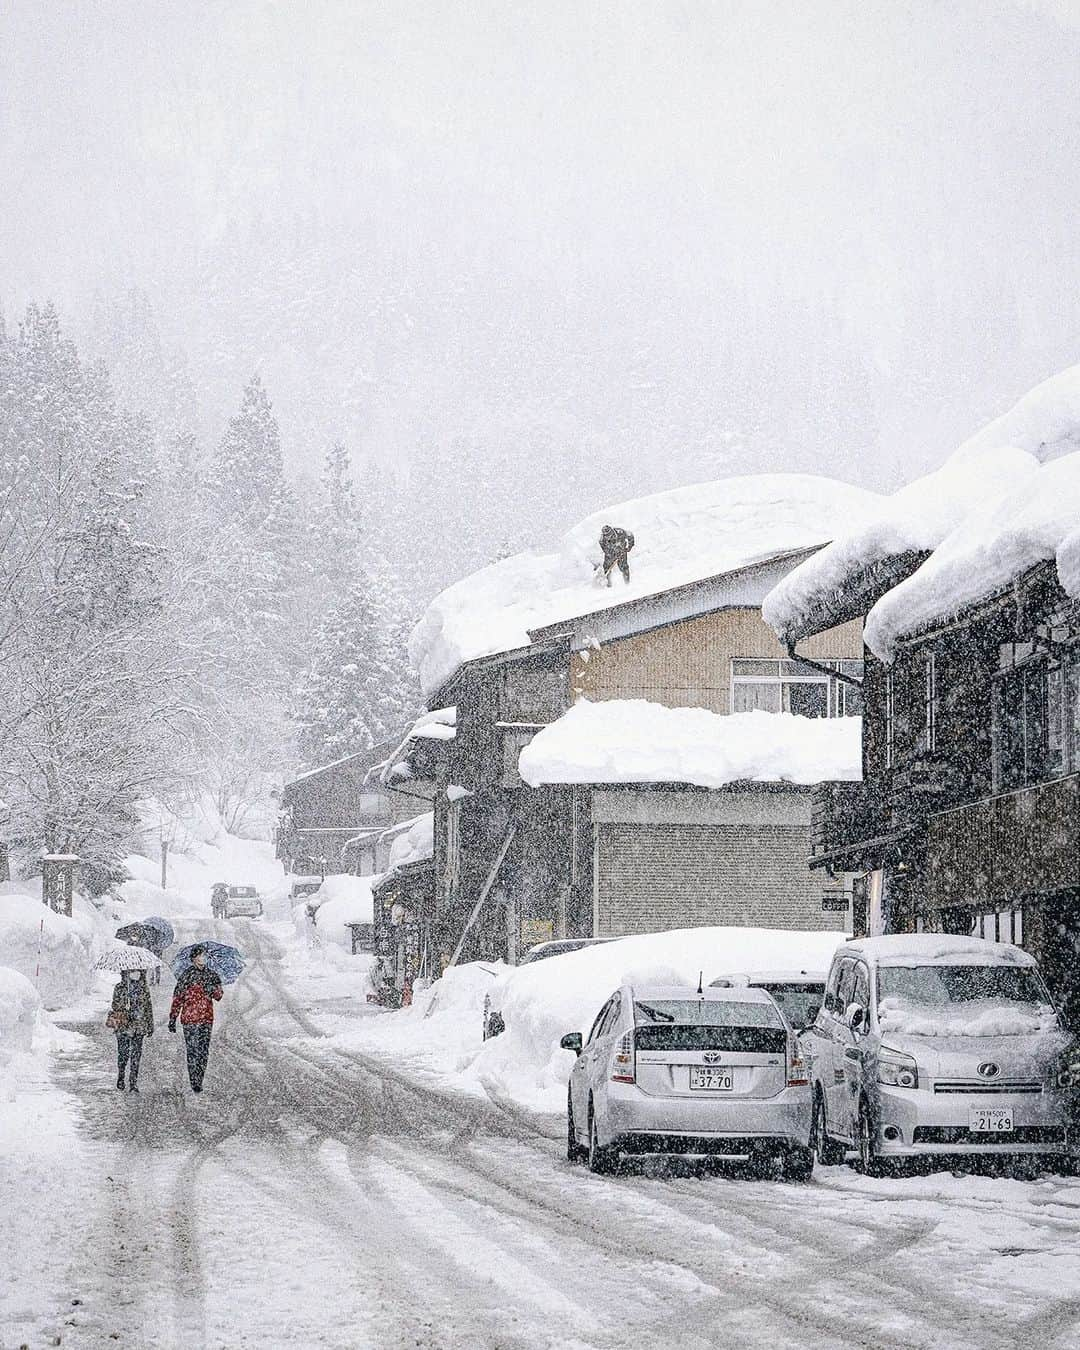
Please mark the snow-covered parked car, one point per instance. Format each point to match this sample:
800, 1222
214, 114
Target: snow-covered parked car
928, 1044
696, 1073
494, 1022
243, 902
800, 993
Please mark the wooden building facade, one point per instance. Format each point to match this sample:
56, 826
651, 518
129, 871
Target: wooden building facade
968, 817
516, 865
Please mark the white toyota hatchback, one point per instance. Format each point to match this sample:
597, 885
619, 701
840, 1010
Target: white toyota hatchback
712, 1073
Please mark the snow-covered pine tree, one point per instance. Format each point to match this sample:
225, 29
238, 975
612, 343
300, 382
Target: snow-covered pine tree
354, 694
246, 473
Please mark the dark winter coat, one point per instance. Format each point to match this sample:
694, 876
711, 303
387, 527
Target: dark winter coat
193, 995
615, 543
133, 999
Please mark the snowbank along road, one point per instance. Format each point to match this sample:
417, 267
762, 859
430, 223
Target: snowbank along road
314, 1197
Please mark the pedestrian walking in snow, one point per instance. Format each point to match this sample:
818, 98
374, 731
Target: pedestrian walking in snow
131, 1017
615, 544
193, 1003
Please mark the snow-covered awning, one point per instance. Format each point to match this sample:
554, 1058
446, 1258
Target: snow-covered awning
633, 741
681, 537
410, 841
997, 461
440, 724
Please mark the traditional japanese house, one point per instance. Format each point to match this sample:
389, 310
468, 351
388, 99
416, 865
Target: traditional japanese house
516, 864
966, 818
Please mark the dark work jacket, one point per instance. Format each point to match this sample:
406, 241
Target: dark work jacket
134, 1000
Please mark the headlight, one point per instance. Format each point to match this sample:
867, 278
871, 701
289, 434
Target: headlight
897, 1070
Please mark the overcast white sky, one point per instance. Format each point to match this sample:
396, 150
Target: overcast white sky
370, 202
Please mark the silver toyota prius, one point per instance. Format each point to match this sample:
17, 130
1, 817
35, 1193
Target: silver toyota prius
698, 1073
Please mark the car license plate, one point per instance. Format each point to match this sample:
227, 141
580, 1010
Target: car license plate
710, 1080
990, 1119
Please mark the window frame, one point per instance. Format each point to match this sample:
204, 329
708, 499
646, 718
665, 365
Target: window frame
835, 704
930, 703
890, 718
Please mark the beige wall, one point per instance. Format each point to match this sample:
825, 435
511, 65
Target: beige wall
689, 664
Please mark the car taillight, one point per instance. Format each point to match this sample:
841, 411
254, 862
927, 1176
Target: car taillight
622, 1066
796, 1072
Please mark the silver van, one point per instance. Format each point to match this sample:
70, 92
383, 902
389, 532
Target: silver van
928, 1044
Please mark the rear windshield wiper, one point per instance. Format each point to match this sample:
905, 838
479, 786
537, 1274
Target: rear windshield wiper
657, 1014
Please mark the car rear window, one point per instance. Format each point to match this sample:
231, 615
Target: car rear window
799, 1002
707, 1024
706, 1012
675, 1036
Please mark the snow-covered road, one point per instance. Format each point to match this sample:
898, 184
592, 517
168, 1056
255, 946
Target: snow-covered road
314, 1197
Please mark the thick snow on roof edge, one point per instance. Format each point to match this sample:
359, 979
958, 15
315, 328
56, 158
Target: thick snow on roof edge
998, 460
1037, 522
681, 536
633, 741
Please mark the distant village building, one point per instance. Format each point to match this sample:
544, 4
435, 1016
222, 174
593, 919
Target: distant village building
334, 818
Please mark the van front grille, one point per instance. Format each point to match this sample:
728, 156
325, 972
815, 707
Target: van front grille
995, 1087
959, 1134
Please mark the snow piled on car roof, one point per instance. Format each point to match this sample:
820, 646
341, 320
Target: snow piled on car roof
903, 949
681, 536
998, 461
634, 741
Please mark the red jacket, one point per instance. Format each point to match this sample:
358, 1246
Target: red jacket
192, 997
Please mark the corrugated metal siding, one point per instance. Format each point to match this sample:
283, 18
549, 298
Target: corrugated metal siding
656, 877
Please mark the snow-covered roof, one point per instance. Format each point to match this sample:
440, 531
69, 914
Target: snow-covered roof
997, 461
906, 949
1037, 521
633, 741
440, 724
413, 841
681, 537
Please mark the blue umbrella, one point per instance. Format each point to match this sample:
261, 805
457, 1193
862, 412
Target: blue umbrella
223, 961
164, 927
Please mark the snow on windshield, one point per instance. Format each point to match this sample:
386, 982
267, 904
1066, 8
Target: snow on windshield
963, 1001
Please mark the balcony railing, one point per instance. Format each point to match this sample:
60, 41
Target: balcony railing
843, 816
1005, 847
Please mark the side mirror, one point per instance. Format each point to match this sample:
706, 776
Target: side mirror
855, 1017
572, 1041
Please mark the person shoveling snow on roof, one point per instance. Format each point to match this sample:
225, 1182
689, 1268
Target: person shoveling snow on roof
615, 543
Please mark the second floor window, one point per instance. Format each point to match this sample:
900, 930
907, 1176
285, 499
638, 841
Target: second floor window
890, 719
930, 703
792, 687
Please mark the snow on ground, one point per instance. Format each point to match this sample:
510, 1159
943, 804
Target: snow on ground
633, 741
681, 536
440, 1036
54, 952
999, 462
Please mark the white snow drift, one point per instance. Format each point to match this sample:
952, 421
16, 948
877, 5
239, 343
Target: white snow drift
681, 536
633, 741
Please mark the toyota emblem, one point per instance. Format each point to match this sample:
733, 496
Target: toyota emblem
711, 1056
988, 1070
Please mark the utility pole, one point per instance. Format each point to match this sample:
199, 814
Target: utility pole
164, 860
